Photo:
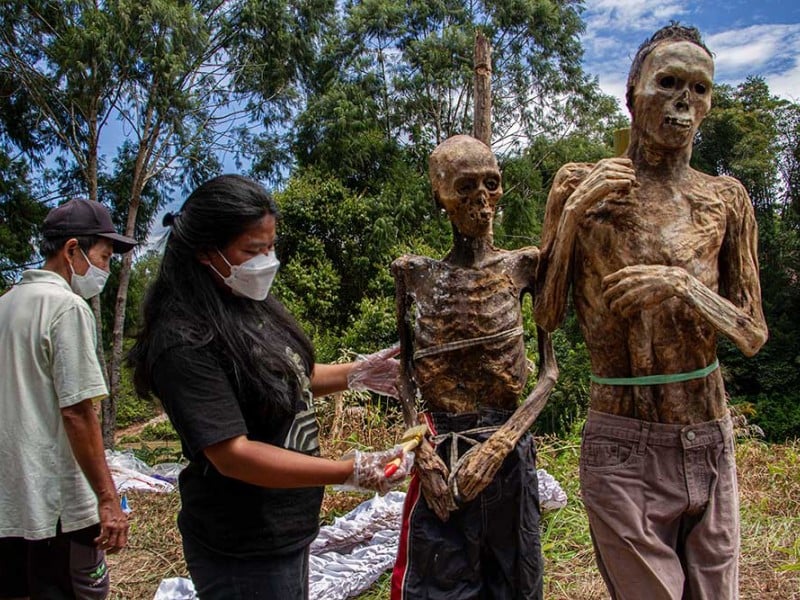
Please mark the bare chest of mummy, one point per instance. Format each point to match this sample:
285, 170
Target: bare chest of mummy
683, 230
459, 304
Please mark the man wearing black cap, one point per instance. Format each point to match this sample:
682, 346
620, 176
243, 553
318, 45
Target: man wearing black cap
59, 510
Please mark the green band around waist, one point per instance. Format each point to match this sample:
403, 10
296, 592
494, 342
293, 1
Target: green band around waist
657, 379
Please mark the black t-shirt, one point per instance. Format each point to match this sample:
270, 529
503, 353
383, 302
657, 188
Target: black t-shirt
226, 515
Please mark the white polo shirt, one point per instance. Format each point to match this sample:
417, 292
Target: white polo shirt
47, 362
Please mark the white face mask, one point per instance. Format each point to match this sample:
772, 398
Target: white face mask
90, 283
253, 278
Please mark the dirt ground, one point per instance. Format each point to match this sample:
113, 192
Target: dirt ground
769, 565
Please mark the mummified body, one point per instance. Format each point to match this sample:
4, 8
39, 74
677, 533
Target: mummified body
660, 258
463, 362
460, 321
455, 304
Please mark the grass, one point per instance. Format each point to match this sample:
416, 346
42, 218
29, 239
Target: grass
769, 489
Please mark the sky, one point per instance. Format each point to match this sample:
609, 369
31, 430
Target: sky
747, 38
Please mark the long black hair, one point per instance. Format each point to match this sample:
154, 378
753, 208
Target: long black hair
184, 306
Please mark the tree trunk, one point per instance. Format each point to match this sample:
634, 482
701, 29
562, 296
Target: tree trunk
92, 187
118, 329
117, 338
482, 119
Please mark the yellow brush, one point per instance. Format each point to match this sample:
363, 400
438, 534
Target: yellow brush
410, 440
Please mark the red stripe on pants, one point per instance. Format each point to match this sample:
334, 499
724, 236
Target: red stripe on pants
412, 497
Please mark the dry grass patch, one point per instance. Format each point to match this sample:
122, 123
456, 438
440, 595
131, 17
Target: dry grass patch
769, 482
769, 491
154, 547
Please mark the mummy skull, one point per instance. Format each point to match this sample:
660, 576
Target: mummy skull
466, 183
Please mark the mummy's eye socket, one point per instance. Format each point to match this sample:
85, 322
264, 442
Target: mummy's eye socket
667, 82
465, 185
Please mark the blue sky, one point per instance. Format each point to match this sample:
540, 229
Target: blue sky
747, 38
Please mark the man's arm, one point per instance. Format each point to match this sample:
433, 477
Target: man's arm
739, 279
86, 441
736, 310
576, 188
431, 470
478, 470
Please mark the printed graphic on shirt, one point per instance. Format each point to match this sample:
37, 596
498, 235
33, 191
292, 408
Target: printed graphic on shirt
303, 435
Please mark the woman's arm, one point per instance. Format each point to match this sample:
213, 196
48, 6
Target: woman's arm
271, 466
329, 379
376, 372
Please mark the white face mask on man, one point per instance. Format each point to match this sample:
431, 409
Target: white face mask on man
90, 283
253, 278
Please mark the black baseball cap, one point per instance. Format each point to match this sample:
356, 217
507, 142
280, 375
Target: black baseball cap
84, 217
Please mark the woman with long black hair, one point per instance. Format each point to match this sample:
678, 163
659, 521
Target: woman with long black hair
236, 375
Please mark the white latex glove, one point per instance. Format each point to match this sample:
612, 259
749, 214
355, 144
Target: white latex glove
369, 469
376, 372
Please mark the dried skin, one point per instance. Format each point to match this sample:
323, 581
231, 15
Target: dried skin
433, 478
474, 292
454, 304
482, 463
660, 257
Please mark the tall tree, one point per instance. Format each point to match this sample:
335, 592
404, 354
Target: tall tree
20, 218
174, 98
156, 66
389, 76
276, 52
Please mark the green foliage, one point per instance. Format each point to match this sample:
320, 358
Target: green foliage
527, 179
569, 400
162, 431
154, 455
377, 79
20, 218
739, 138
323, 224
778, 415
274, 49
309, 285
374, 327
131, 408
142, 273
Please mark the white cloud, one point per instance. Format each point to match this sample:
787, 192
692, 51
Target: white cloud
768, 50
637, 15
786, 84
615, 28
614, 85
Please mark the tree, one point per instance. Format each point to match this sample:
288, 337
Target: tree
155, 65
389, 81
20, 218
275, 50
